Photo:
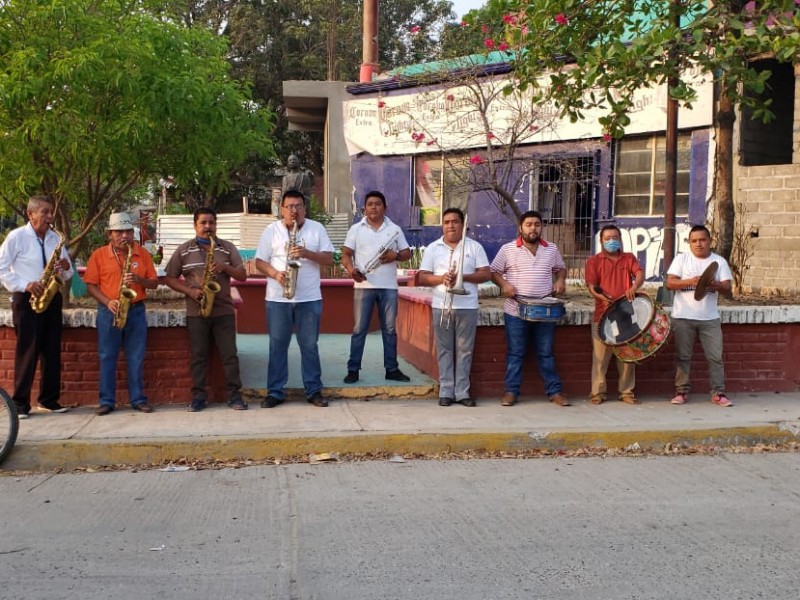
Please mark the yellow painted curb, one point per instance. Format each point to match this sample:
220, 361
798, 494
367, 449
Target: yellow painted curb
73, 454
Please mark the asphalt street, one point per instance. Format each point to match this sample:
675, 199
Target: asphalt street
700, 527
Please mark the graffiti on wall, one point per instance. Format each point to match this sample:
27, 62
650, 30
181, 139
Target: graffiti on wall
647, 244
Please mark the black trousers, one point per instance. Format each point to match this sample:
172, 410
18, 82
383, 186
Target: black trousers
38, 341
222, 330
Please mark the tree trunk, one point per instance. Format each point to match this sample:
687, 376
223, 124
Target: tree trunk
723, 176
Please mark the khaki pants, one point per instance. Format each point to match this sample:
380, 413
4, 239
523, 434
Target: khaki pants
601, 356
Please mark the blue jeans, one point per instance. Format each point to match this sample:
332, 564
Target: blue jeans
303, 318
133, 340
363, 300
519, 334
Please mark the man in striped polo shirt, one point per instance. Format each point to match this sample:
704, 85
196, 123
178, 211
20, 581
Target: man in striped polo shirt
526, 267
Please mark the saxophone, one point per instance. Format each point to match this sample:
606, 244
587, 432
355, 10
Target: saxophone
126, 294
210, 287
51, 280
292, 266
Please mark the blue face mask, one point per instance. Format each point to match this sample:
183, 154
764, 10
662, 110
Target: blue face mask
612, 245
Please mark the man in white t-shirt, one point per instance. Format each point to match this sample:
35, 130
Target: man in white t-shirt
455, 316
693, 318
301, 312
369, 255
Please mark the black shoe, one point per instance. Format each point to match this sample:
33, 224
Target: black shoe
445, 401
238, 404
467, 402
55, 407
397, 375
271, 402
104, 410
352, 377
317, 400
196, 405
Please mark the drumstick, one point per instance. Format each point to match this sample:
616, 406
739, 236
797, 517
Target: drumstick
598, 290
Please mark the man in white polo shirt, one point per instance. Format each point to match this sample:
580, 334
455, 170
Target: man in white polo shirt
369, 255
526, 267
455, 316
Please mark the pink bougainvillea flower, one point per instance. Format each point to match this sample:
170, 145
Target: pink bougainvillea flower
509, 19
502, 46
450, 97
489, 43
524, 30
561, 19
464, 24
381, 103
606, 137
415, 29
490, 136
485, 28
533, 128
475, 160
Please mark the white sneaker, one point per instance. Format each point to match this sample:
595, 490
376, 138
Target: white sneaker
23, 416
56, 408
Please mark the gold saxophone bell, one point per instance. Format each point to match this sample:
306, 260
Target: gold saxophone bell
51, 280
292, 266
126, 295
210, 287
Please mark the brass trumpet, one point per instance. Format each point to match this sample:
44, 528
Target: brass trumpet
456, 267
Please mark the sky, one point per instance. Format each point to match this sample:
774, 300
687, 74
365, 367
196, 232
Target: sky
461, 7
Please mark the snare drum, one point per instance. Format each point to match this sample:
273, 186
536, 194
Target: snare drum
540, 309
634, 330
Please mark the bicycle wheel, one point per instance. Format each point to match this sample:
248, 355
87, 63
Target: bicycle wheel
9, 424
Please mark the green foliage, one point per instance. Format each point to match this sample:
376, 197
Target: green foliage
282, 40
316, 212
96, 96
597, 53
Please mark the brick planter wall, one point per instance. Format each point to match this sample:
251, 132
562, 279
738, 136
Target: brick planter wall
759, 356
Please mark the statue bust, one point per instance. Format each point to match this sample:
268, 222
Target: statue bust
297, 178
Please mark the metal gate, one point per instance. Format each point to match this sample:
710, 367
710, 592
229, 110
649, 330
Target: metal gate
563, 189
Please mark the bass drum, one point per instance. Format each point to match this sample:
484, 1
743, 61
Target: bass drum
634, 330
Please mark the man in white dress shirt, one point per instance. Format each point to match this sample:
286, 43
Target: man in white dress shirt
24, 255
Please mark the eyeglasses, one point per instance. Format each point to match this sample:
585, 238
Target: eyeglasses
291, 207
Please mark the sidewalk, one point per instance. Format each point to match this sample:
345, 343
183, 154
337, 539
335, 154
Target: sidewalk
81, 439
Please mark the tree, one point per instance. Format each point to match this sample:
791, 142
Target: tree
98, 96
281, 40
598, 52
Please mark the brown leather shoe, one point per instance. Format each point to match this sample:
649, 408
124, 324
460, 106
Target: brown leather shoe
317, 400
509, 399
104, 410
559, 399
143, 407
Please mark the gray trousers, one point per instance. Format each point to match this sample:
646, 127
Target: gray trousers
710, 334
454, 351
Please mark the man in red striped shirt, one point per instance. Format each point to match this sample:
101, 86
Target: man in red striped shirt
527, 267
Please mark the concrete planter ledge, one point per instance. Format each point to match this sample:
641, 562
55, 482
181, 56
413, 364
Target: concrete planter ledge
581, 313
87, 317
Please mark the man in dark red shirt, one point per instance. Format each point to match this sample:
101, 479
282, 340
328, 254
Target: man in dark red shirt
611, 274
